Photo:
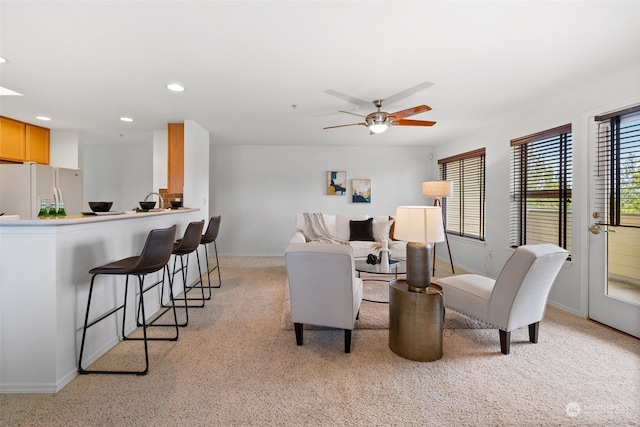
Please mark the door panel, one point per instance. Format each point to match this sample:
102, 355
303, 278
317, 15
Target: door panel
614, 238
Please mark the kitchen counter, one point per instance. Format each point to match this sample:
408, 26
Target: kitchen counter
82, 219
44, 285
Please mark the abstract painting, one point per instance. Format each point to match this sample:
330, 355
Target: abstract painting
361, 190
337, 183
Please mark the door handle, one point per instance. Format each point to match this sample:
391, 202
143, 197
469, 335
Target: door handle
595, 229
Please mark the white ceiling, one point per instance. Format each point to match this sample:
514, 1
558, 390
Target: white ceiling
244, 64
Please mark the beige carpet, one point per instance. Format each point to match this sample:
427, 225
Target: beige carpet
235, 366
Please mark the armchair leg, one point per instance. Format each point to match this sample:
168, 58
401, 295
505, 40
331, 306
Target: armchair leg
533, 332
298, 329
347, 340
505, 341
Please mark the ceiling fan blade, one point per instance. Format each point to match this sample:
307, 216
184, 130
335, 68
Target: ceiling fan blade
341, 126
349, 112
399, 115
413, 123
348, 98
407, 92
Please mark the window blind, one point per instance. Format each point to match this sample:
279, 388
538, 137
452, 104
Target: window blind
617, 174
540, 188
464, 212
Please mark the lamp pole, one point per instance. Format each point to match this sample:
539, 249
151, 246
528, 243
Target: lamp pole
436, 202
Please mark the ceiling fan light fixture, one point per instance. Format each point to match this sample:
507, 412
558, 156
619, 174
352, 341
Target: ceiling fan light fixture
378, 122
378, 127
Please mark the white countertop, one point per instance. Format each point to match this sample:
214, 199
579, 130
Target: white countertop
12, 221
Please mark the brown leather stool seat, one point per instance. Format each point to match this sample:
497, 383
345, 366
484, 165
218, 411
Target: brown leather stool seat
154, 257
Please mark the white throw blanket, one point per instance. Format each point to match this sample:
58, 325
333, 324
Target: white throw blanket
315, 230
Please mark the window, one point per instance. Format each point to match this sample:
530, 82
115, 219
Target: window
464, 211
540, 181
618, 168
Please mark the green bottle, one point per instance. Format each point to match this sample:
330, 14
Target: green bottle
61, 213
52, 210
43, 211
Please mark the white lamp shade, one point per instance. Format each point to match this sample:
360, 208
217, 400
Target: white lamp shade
437, 188
419, 224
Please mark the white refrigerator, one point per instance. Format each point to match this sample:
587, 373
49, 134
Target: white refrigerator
24, 186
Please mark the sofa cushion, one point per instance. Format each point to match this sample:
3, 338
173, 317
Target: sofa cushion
381, 228
343, 226
361, 248
361, 230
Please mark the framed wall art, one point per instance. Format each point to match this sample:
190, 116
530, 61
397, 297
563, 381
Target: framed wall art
336, 183
361, 190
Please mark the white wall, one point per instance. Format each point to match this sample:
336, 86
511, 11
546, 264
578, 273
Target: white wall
258, 190
64, 149
126, 173
570, 288
160, 159
196, 167
122, 173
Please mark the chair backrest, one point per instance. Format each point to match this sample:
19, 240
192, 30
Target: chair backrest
520, 294
157, 250
322, 284
212, 230
191, 238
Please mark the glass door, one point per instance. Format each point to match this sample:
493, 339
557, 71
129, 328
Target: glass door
614, 243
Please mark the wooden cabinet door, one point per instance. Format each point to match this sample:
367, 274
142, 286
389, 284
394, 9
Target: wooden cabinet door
37, 146
12, 140
175, 154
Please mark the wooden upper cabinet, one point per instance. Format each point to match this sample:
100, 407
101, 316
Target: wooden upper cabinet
37, 146
23, 142
175, 158
12, 140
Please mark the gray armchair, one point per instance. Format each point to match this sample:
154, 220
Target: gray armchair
518, 296
323, 287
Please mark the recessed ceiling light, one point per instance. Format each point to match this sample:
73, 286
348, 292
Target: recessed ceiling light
8, 92
3, 60
126, 119
45, 118
175, 87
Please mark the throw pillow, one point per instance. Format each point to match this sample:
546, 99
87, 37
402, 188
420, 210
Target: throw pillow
381, 229
361, 230
392, 229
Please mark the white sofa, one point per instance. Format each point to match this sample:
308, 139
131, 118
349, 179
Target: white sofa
340, 228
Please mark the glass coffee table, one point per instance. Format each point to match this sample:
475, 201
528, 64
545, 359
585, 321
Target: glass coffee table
394, 270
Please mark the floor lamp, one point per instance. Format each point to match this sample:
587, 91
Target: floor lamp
438, 190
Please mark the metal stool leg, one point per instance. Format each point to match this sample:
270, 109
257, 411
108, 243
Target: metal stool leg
201, 282
172, 307
195, 285
210, 269
123, 307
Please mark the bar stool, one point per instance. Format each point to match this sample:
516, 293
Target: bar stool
208, 237
154, 257
181, 250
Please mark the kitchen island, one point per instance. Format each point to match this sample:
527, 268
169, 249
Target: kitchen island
44, 285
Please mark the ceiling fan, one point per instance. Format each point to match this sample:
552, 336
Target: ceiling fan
379, 121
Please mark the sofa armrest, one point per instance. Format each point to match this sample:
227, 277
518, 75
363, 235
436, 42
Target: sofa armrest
297, 237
